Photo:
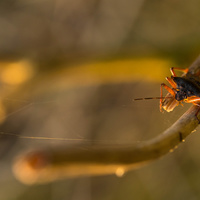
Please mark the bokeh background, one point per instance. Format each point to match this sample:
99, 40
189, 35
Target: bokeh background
70, 69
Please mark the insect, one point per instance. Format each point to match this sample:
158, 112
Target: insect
183, 89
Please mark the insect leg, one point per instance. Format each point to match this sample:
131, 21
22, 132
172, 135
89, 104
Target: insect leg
171, 82
171, 91
178, 69
195, 101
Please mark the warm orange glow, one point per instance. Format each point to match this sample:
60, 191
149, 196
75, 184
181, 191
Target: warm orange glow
16, 72
149, 69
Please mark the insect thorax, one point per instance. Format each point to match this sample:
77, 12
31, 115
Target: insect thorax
185, 88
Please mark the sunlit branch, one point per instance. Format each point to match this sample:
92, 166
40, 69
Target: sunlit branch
49, 165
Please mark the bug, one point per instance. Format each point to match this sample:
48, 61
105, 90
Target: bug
183, 89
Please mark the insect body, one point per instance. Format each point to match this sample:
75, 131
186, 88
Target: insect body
184, 89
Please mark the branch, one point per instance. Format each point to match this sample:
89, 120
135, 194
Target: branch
49, 165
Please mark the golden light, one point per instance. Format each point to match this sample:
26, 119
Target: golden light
17, 72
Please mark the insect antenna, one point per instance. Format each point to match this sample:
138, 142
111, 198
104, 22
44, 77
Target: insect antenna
149, 98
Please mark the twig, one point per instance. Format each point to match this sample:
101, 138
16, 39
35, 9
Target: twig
44, 166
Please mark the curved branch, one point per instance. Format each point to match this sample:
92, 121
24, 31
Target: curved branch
48, 165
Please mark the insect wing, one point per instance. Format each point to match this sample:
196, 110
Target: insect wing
168, 103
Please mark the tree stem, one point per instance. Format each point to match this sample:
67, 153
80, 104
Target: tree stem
49, 165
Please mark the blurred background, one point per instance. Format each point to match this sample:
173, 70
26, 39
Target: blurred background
70, 69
